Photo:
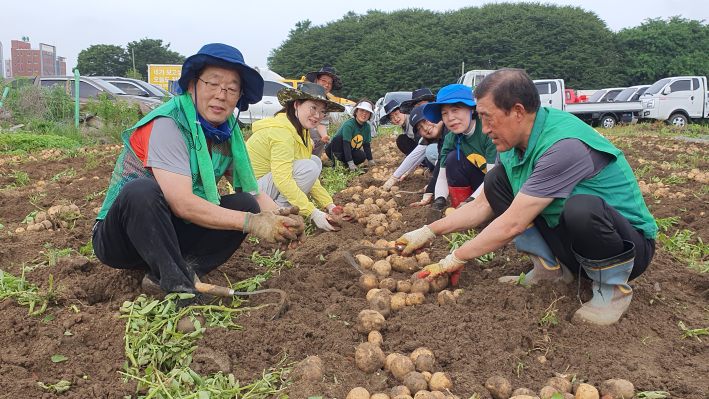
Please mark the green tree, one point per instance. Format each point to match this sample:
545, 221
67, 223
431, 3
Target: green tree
659, 48
151, 51
378, 52
102, 60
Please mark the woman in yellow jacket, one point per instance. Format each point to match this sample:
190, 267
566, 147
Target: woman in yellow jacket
280, 150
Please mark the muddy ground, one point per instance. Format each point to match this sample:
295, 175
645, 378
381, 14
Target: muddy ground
492, 330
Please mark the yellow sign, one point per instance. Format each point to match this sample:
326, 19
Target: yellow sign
161, 74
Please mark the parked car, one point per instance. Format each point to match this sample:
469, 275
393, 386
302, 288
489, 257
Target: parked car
400, 96
474, 77
267, 107
133, 87
605, 95
89, 89
632, 93
678, 99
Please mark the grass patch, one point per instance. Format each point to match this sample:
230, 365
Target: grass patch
684, 249
19, 143
27, 294
666, 223
334, 180
661, 128
457, 240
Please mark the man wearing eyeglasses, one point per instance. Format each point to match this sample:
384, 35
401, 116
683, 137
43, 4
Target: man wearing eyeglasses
163, 212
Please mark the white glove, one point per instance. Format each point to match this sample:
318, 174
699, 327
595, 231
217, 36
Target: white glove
415, 239
352, 166
389, 183
322, 220
371, 162
424, 201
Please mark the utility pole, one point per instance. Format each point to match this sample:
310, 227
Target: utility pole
463, 69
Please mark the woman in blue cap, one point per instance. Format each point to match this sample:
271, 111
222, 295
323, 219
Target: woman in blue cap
466, 156
163, 213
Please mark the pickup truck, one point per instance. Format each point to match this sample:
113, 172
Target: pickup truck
572, 97
605, 114
679, 100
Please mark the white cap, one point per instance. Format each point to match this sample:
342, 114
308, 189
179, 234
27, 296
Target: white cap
363, 105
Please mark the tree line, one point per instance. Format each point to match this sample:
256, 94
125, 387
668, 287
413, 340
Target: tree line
377, 52
112, 60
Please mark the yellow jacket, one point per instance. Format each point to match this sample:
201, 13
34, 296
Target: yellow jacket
273, 147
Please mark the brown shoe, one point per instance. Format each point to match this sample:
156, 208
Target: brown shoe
151, 287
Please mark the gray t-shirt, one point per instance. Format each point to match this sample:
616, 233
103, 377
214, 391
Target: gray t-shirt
167, 149
561, 167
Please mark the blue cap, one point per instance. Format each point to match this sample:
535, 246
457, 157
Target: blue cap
225, 56
416, 115
451, 94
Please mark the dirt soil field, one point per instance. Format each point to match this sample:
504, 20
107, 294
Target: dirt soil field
493, 329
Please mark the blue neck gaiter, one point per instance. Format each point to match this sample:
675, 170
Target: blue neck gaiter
217, 134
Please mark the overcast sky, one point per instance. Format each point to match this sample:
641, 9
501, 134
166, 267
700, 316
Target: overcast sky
254, 27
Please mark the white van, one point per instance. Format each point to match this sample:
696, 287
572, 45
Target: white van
679, 100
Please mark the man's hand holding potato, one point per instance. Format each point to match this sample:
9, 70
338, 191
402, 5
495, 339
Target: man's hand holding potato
415, 240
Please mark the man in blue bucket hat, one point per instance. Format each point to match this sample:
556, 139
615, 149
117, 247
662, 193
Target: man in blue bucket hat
560, 192
163, 213
466, 155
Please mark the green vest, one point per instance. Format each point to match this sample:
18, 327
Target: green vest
616, 183
206, 170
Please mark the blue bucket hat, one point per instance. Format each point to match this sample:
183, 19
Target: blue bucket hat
451, 94
225, 56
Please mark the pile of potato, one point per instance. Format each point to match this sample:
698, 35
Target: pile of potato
379, 216
659, 190
500, 388
56, 217
415, 373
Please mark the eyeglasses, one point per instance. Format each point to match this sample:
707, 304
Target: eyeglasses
215, 89
314, 111
325, 81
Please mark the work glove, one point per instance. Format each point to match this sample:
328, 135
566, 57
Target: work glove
415, 240
371, 162
389, 183
271, 226
424, 201
337, 211
324, 221
352, 166
439, 204
450, 264
293, 212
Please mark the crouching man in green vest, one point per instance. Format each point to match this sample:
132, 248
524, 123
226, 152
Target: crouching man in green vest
163, 213
561, 192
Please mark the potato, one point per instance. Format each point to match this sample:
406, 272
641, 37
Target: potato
395, 216
368, 201
400, 367
358, 393
47, 224
400, 390
415, 381
561, 384
585, 391
309, 369
394, 225
381, 243
380, 231
398, 300
446, 297
567, 395
421, 286
390, 358
547, 391
380, 202
368, 232
371, 293
439, 382
424, 363
438, 394
370, 320
423, 259
391, 211
419, 351
402, 264
498, 387
375, 337
358, 189
384, 208
617, 389
381, 302
379, 396
369, 357
364, 261
373, 224
448, 211
394, 189
440, 282
388, 283
367, 243
40, 217
382, 268
368, 281
403, 286
403, 397
414, 298
20, 230
185, 325
458, 292
525, 397
523, 392
424, 395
